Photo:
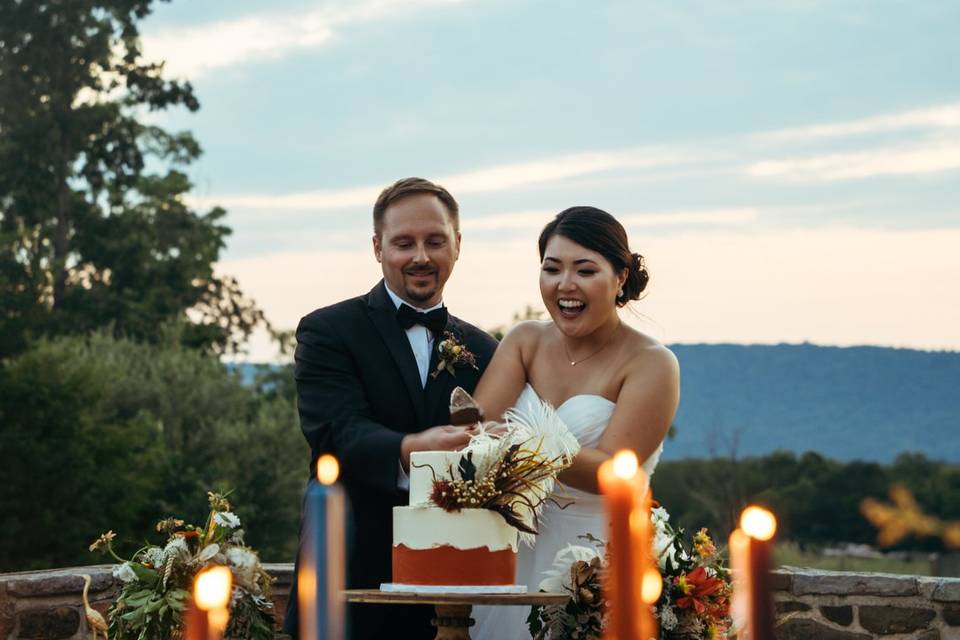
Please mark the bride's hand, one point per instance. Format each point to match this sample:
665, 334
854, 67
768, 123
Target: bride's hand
495, 429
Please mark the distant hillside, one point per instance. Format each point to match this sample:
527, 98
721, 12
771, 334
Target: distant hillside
867, 403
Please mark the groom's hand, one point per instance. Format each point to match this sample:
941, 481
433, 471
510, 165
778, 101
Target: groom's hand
442, 438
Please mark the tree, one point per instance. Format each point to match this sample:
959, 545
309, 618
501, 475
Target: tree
103, 433
89, 235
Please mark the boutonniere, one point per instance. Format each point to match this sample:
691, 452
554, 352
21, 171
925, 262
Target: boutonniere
451, 354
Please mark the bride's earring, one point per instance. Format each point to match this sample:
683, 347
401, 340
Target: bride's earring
620, 293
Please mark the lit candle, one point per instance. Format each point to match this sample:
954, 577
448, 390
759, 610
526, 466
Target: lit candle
321, 578
631, 583
211, 597
750, 558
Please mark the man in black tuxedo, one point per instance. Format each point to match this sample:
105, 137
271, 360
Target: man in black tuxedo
369, 391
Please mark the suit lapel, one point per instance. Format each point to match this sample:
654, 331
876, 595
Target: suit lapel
383, 314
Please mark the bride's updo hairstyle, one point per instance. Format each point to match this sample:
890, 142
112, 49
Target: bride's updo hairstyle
599, 231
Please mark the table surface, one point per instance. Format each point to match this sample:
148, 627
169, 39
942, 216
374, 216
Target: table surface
377, 596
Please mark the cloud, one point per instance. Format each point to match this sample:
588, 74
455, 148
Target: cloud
193, 51
929, 157
717, 156
490, 179
939, 117
537, 219
829, 285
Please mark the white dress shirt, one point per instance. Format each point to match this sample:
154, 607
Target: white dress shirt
421, 342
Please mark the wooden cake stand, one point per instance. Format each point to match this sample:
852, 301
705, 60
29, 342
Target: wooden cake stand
453, 619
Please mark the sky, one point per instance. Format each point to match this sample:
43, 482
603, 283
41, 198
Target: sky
790, 170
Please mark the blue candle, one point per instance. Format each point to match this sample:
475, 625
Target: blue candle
321, 578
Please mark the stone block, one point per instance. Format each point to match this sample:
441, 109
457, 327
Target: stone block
947, 591
790, 606
842, 616
805, 629
49, 624
888, 620
929, 634
8, 620
846, 584
951, 614
56, 583
780, 580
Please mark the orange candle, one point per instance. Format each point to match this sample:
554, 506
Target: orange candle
751, 548
211, 596
624, 485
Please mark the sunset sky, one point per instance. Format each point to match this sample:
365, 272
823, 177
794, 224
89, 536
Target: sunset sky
790, 170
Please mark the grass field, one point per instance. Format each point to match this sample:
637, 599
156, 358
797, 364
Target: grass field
789, 554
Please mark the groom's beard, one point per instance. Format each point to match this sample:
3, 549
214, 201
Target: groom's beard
421, 295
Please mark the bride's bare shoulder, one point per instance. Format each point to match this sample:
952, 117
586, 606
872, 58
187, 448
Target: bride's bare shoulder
647, 356
527, 334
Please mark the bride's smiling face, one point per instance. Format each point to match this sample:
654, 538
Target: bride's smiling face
578, 286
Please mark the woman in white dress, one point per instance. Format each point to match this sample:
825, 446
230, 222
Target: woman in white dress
613, 386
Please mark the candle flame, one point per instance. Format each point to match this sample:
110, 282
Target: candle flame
758, 523
328, 469
625, 464
650, 586
211, 590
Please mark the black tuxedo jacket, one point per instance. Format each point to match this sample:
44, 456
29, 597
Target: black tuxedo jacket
359, 393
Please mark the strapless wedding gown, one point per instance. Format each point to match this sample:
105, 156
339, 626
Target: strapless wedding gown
586, 415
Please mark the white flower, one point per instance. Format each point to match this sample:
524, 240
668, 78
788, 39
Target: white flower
664, 549
558, 577
124, 572
176, 546
155, 556
659, 516
226, 519
244, 563
236, 537
208, 552
668, 619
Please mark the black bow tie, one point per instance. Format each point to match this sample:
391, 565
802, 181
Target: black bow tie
435, 321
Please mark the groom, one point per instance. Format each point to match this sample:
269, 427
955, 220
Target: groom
370, 392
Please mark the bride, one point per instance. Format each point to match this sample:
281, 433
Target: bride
613, 386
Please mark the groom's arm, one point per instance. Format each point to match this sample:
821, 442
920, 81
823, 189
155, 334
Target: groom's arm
335, 414
336, 417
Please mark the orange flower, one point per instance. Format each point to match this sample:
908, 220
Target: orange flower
703, 545
697, 586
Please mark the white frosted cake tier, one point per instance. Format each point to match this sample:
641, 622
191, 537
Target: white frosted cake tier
424, 466
428, 527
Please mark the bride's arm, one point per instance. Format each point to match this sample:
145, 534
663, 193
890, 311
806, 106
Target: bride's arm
504, 378
644, 411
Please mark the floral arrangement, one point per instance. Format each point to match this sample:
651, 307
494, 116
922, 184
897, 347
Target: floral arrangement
694, 603
452, 354
512, 473
157, 579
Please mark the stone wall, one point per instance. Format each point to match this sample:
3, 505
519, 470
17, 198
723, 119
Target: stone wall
831, 605
816, 605
48, 604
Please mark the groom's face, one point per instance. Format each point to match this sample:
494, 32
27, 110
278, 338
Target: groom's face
417, 248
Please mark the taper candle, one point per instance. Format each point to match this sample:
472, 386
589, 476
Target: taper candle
211, 597
322, 574
624, 486
758, 526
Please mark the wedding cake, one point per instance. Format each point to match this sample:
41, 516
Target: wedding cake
432, 546
469, 509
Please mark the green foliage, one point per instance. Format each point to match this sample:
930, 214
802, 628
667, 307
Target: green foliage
94, 230
104, 433
816, 500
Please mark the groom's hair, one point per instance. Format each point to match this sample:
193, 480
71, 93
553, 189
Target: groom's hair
410, 186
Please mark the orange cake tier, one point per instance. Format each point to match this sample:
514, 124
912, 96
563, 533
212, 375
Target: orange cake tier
447, 565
